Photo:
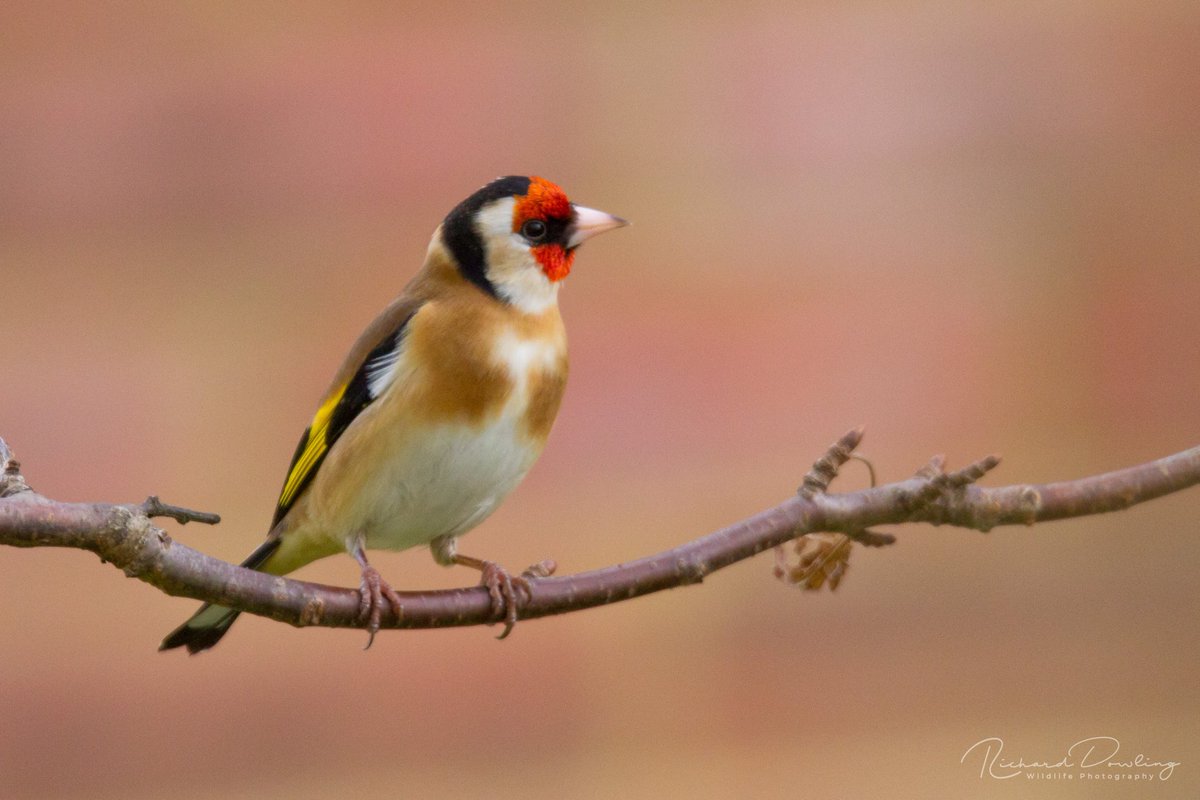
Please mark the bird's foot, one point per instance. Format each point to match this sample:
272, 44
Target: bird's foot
371, 594
542, 569
511, 593
508, 592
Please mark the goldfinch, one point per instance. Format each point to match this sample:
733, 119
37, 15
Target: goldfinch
441, 407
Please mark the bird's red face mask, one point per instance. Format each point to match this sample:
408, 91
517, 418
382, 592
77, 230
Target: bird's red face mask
543, 216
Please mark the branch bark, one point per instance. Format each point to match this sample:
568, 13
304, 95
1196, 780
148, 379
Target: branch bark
125, 536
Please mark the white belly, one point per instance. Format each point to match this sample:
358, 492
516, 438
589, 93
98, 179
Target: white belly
443, 482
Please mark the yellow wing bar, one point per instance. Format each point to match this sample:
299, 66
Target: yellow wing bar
314, 448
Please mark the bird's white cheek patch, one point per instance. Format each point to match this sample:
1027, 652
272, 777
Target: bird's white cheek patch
511, 266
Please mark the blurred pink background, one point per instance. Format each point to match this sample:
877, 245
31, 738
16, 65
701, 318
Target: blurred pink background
973, 229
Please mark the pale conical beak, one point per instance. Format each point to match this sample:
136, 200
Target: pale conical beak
589, 222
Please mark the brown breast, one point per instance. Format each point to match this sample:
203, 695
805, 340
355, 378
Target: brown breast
472, 351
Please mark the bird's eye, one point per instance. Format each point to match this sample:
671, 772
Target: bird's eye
533, 230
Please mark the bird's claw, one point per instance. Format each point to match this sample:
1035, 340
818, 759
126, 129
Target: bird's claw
542, 569
371, 594
509, 593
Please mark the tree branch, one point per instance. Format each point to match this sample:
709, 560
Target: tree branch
125, 536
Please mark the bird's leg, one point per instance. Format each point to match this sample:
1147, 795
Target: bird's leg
371, 593
508, 592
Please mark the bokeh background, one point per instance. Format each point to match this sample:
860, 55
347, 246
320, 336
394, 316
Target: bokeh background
972, 228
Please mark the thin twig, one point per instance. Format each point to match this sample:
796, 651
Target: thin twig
825, 468
153, 507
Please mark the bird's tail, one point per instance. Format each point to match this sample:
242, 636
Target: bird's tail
206, 627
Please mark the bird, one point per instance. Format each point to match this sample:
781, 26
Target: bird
440, 408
